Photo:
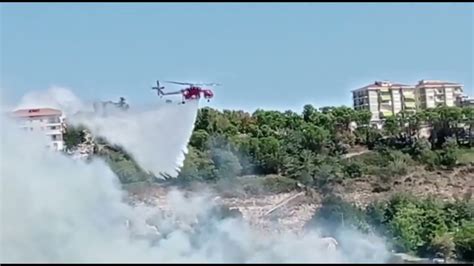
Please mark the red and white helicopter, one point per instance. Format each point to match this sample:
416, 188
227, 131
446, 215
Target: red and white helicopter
192, 92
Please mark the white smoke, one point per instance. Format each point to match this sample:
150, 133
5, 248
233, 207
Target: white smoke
143, 133
140, 131
55, 97
55, 209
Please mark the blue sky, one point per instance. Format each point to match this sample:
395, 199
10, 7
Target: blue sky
266, 55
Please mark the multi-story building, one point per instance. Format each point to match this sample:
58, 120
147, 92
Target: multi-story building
435, 93
48, 120
383, 99
465, 101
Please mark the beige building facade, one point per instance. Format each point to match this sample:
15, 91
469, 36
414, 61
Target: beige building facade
384, 98
436, 93
47, 120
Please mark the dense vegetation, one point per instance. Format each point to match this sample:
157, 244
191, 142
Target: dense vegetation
420, 226
309, 149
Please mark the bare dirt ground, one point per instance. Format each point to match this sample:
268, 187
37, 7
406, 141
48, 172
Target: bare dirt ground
445, 185
290, 211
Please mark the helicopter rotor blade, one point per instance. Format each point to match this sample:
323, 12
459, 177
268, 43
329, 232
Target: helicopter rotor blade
194, 84
208, 84
179, 83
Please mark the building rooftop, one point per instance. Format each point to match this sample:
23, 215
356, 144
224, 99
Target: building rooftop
36, 112
436, 83
383, 84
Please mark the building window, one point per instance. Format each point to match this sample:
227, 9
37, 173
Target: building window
53, 120
56, 137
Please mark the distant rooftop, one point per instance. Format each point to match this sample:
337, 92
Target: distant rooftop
36, 112
425, 82
385, 83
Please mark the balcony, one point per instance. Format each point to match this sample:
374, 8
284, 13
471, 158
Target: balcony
409, 96
439, 99
410, 105
55, 124
385, 97
385, 113
53, 132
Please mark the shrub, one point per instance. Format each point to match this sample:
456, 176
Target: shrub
448, 155
353, 169
444, 244
397, 167
419, 148
464, 240
406, 227
430, 159
226, 163
336, 213
279, 184
372, 158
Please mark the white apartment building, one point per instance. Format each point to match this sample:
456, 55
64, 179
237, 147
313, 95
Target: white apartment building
48, 120
465, 102
435, 93
383, 99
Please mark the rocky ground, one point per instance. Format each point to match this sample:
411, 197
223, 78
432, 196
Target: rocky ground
291, 210
278, 212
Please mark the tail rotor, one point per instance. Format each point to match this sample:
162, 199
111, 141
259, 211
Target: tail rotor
158, 88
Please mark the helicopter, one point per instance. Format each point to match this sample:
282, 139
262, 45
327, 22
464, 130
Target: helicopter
102, 106
193, 91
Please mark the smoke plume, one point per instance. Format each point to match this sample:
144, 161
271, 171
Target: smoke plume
141, 131
56, 209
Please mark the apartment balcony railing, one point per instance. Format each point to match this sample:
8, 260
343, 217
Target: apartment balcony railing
386, 106
439, 100
386, 113
409, 97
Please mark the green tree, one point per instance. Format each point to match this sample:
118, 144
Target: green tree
269, 155
391, 126
362, 117
406, 226
308, 112
199, 139
448, 156
73, 136
314, 138
226, 163
335, 213
190, 171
